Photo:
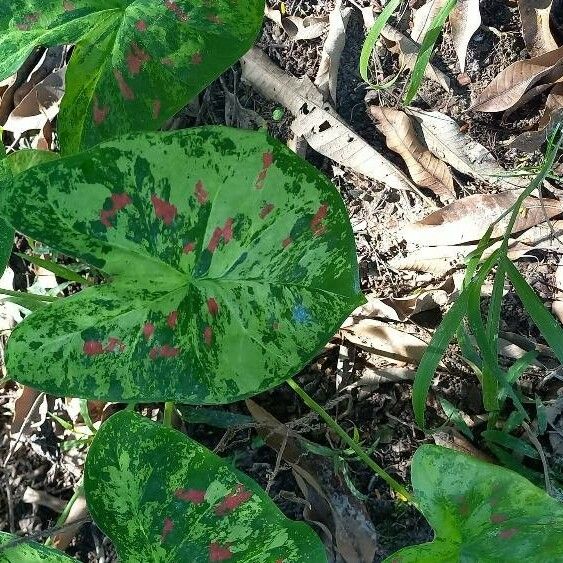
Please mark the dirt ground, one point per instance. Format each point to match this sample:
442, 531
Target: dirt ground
382, 415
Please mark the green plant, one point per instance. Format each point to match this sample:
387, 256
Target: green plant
13, 550
480, 512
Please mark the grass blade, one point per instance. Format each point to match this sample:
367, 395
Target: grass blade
510, 442
57, 269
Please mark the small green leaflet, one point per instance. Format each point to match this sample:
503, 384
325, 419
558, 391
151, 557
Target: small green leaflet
230, 261
161, 497
481, 512
136, 62
29, 552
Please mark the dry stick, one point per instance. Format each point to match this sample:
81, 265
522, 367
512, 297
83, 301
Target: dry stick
538, 446
333, 425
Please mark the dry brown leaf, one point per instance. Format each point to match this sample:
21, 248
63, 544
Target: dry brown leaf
467, 219
422, 18
535, 15
425, 169
333, 46
373, 377
512, 83
408, 50
349, 534
465, 20
78, 512
318, 123
309, 27
384, 340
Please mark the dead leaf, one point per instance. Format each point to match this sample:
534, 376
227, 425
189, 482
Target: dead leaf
535, 15
42, 498
422, 18
318, 123
384, 340
467, 219
349, 534
309, 27
408, 50
333, 46
512, 83
465, 20
373, 377
78, 512
425, 169
10, 313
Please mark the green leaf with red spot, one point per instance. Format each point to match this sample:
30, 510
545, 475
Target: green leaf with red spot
161, 497
481, 512
230, 261
136, 62
29, 552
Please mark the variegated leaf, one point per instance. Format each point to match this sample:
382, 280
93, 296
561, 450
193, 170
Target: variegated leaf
481, 512
231, 262
136, 62
29, 552
161, 497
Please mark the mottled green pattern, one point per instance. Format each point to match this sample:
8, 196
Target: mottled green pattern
161, 497
29, 552
137, 62
481, 513
231, 262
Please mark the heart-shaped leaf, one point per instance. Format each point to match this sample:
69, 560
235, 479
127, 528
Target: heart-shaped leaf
29, 552
231, 262
136, 63
481, 512
162, 497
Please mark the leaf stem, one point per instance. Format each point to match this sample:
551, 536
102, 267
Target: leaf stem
333, 425
168, 412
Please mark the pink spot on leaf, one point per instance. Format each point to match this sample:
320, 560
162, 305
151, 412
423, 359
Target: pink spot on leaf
156, 106
221, 233
141, 25
266, 210
114, 344
219, 552
316, 222
167, 61
498, 518
189, 247
93, 347
169, 352
148, 330
124, 88
508, 533
167, 527
208, 335
99, 113
267, 161
172, 319
118, 202
201, 193
176, 9
136, 58
212, 306
190, 495
68, 6
164, 210
197, 59
286, 242
214, 18
233, 501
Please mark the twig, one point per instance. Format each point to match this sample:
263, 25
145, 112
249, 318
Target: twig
538, 446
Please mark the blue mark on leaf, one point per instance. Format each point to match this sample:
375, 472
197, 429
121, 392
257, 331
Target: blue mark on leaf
301, 314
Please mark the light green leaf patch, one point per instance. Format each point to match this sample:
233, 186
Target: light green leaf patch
136, 63
230, 262
481, 512
161, 497
29, 552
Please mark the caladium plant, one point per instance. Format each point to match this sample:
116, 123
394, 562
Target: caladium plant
162, 497
28, 552
136, 63
230, 263
481, 512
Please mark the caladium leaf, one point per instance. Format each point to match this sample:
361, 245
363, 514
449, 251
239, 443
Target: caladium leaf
162, 497
481, 512
136, 62
29, 552
231, 262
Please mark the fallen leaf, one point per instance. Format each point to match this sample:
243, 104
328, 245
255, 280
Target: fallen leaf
408, 50
309, 27
465, 20
422, 18
327, 74
535, 15
42, 498
384, 340
467, 219
373, 377
318, 123
512, 83
425, 169
78, 512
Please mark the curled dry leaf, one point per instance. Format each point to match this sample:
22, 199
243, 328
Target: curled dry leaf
425, 169
512, 83
408, 50
332, 51
309, 27
535, 15
384, 340
467, 219
318, 123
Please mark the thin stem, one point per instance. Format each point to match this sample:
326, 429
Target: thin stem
333, 425
79, 491
168, 412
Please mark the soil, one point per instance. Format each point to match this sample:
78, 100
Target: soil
382, 415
